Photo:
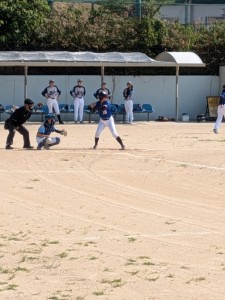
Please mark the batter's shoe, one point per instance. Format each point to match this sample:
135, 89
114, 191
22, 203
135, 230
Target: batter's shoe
28, 147
61, 122
95, 147
123, 147
8, 147
215, 131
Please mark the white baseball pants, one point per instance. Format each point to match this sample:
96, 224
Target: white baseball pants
78, 109
128, 104
220, 114
106, 123
53, 103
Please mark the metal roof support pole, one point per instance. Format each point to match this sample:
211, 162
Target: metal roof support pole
177, 94
25, 81
102, 73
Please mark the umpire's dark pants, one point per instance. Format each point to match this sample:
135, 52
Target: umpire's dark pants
22, 130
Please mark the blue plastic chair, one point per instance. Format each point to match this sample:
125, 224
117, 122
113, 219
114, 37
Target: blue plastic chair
147, 108
137, 108
72, 107
113, 108
45, 109
63, 107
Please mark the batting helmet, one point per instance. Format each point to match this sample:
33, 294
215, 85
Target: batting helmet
102, 95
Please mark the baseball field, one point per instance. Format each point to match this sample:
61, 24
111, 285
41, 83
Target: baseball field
140, 224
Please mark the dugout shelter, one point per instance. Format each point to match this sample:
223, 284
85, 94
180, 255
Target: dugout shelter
101, 60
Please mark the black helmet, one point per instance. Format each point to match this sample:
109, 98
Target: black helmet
102, 95
28, 101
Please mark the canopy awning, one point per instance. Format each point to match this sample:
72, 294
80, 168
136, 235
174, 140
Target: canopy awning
182, 59
76, 59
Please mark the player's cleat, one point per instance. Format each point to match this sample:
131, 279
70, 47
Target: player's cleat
8, 147
61, 122
28, 147
215, 131
39, 146
81, 122
123, 147
46, 147
95, 147
75, 122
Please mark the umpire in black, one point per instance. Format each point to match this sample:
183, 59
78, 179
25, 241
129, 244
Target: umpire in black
15, 123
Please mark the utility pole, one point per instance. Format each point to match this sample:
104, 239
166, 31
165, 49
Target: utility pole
50, 3
188, 5
138, 9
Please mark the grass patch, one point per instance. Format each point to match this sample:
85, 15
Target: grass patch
99, 293
130, 262
131, 239
114, 282
152, 278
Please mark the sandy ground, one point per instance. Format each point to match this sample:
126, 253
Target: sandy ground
144, 223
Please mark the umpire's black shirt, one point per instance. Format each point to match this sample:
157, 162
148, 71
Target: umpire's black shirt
20, 116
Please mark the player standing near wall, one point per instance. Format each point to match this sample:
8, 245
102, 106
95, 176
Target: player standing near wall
128, 102
104, 89
78, 93
51, 93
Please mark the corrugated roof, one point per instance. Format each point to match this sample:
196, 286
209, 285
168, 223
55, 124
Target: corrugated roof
64, 58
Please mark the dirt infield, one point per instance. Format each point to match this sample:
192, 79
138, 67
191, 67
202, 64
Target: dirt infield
144, 223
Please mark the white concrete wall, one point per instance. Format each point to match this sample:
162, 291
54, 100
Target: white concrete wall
194, 12
156, 90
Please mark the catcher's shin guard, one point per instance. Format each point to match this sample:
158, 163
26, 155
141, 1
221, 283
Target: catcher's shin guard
56, 142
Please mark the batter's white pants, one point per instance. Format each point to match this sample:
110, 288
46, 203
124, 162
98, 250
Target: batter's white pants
78, 109
128, 104
53, 103
221, 113
106, 123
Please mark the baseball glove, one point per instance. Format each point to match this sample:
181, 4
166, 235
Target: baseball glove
64, 132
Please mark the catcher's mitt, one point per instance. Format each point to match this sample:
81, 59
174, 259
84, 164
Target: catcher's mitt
64, 132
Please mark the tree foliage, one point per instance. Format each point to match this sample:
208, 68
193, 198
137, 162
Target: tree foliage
110, 26
19, 19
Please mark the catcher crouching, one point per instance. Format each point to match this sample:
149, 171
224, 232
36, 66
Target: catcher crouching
43, 135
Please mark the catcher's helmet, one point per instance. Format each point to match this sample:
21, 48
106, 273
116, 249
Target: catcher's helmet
102, 95
49, 116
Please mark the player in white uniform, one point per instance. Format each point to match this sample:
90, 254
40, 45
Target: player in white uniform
51, 93
106, 119
78, 93
128, 102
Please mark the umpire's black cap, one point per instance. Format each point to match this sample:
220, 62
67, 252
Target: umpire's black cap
28, 101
